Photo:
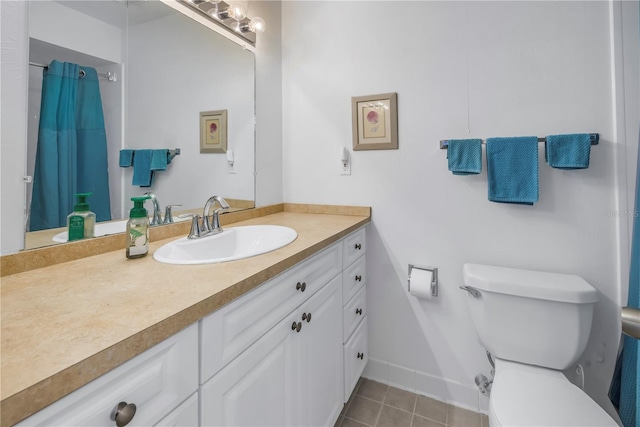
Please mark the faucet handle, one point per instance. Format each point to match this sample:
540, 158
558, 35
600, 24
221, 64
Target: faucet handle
168, 216
195, 225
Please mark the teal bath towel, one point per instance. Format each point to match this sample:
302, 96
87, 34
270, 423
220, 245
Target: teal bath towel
126, 158
570, 151
142, 173
512, 169
465, 156
159, 160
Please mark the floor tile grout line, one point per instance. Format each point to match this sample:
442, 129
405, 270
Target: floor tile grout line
382, 405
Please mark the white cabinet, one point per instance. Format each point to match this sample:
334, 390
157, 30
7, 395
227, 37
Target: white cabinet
292, 376
287, 353
156, 382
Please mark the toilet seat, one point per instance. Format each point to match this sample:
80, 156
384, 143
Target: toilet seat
525, 395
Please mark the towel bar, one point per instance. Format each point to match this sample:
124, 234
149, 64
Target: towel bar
595, 139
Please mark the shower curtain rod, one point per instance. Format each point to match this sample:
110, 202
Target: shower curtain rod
112, 77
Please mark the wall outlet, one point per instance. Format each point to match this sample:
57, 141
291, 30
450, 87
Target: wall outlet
231, 168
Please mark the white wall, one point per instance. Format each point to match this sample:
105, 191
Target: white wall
461, 69
268, 104
13, 122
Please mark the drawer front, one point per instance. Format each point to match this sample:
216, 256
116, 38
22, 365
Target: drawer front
353, 279
356, 356
353, 312
156, 381
354, 246
184, 415
229, 331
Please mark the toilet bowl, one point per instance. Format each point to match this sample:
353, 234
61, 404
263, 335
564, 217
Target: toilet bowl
535, 324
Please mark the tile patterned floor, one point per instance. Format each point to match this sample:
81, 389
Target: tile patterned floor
373, 404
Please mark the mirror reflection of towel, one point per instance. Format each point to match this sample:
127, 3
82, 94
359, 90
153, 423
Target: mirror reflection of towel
142, 173
159, 160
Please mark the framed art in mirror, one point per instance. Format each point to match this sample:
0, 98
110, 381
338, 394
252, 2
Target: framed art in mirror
375, 122
213, 131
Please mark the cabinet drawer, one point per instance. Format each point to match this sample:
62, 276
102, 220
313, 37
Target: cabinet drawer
230, 330
354, 246
156, 381
353, 312
356, 356
353, 278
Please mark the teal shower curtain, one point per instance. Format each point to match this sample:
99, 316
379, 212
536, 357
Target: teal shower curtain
72, 147
629, 408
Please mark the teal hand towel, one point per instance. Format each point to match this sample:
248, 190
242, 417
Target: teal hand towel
570, 151
512, 169
126, 158
159, 160
465, 156
142, 173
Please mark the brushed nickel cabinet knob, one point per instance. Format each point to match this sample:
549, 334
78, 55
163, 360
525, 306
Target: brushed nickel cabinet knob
124, 413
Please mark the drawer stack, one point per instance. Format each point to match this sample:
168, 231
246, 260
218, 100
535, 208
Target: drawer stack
354, 299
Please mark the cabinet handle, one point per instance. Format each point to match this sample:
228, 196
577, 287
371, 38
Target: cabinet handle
358, 246
124, 413
359, 311
358, 278
301, 286
296, 326
306, 317
360, 356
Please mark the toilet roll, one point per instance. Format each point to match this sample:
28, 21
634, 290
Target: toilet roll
420, 283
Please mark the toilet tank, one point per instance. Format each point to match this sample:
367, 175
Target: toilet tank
532, 317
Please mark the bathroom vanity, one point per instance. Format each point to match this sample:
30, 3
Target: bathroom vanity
283, 333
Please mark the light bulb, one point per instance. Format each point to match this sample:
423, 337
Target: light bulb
237, 11
257, 25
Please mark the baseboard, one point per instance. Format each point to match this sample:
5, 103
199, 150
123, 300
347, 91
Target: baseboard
438, 388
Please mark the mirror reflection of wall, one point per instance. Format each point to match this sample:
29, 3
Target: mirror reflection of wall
213, 75
169, 68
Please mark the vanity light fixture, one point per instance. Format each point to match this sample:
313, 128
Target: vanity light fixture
230, 15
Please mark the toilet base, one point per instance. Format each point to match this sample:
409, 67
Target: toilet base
526, 395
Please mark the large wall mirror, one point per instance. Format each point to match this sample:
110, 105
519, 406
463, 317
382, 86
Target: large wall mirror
158, 70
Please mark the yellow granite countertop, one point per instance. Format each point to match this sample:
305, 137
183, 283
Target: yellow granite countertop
66, 324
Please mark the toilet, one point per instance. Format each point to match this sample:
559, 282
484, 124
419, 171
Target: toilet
535, 324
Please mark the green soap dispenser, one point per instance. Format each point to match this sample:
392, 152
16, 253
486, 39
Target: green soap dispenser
81, 223
138, 229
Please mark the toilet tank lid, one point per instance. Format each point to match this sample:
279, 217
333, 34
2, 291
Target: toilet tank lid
528, 283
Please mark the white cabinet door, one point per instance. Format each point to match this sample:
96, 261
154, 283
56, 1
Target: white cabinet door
259, 387
185, 415
321, 353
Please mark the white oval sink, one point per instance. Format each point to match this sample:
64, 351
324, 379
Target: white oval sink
232, 244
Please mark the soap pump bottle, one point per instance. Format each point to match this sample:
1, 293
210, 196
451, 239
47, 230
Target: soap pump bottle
81, 222
138, 229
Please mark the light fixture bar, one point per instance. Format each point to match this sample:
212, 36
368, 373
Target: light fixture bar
206, 9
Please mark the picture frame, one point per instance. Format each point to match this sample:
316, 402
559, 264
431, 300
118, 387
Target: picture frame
213, 131
375, 122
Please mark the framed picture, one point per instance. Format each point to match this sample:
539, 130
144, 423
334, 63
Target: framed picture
375, 122
213, 131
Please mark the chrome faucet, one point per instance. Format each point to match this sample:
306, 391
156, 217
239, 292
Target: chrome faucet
157, 217
213, 226
168, 215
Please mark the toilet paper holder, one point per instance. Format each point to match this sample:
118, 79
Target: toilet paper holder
434, 278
